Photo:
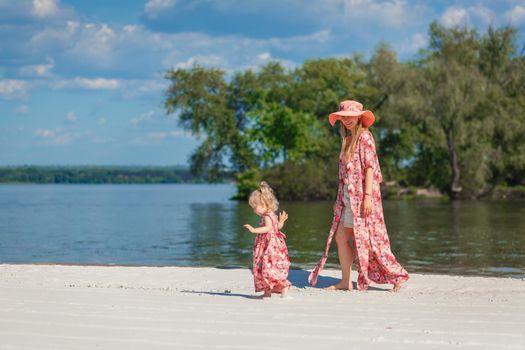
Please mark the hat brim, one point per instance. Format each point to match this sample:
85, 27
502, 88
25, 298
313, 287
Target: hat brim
367, 117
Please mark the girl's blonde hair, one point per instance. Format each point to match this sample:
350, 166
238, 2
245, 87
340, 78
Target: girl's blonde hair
349, 143
264, 195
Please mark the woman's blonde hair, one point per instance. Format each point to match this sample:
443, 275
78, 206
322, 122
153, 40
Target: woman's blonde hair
264, 195
349, 143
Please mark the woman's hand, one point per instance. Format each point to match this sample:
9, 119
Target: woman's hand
249, 227
283, 216
367, 205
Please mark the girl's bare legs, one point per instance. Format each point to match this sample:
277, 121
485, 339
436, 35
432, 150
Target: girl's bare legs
344, 251
396, 287
284, 293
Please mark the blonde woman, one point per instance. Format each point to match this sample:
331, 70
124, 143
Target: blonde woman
358, 211
270, 254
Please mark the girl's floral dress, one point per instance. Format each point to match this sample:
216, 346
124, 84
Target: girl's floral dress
373, 256
270, 259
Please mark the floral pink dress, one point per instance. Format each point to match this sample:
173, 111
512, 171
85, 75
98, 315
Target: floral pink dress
270, 259
374, 259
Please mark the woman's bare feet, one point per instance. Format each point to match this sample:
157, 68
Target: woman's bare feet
396, 288
267, 294
340, 286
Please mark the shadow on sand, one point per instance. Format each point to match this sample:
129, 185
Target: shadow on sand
298, 278
223, 294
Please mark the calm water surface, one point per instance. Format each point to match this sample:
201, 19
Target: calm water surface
197, 225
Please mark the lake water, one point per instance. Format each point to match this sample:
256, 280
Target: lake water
197, 225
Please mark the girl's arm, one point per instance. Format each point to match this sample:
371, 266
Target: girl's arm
283, 216
263, 229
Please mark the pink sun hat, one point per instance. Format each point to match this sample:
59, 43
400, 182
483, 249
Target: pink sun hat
349, 108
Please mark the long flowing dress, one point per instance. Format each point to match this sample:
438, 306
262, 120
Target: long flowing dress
271, 262
374, 259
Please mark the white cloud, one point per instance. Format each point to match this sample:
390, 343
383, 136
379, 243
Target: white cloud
202, 60
134, 88
71, 116
477, 15
37, 70
87, 44
86, 84
145, 117
22, 109
412, 45
140, 53
265, 56
154, 8
160, 136
473, 15
44, 8
12, 89
97, 84
392, 13
419, 41
57, 136
95, 42
484, 15
103, 140
516, 15
454, 16
34, 11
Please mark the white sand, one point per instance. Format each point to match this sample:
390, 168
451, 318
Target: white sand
88, 307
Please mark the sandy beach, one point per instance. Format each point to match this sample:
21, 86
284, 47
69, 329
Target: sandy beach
114, 307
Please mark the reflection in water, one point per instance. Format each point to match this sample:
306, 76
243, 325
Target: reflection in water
478, 238
178, 225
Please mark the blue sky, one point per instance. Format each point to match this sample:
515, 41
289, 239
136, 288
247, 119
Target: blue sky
81, 81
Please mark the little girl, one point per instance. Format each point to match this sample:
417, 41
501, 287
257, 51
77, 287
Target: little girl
270, 254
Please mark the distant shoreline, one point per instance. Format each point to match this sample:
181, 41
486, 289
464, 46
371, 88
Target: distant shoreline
148, 175
93, 174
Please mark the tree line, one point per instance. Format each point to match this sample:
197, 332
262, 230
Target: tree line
452, 119
99, 175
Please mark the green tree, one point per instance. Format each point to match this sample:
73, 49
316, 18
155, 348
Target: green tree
201, 98
504, 70
447, 95
454, 118
396, 129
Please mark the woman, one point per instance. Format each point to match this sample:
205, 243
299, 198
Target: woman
358, 210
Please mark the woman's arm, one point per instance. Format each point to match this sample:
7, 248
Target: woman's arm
369, 175
368, 157
367, 200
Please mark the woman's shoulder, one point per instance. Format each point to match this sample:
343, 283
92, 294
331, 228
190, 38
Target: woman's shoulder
366, 137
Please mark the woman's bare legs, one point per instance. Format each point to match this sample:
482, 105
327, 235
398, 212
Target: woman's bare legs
344, 251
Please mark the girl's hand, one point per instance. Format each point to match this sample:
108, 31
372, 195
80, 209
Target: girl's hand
283, 216
367, 205
248, 227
